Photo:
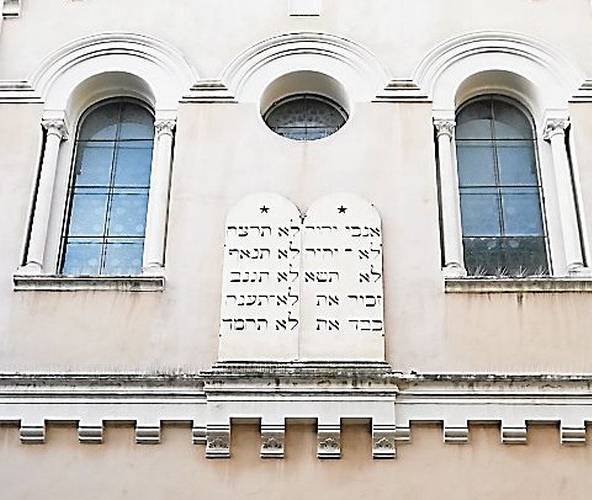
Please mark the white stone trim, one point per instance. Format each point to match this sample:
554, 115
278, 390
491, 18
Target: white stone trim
450, 199
69, 81
247, 76
211, 401
518, 285
442, 70
543, 80
158, 200
45, 283
162, 66
10, 8
304, 8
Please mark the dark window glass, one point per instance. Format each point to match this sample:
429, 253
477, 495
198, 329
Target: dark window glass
108, 195
500, 192
305, 117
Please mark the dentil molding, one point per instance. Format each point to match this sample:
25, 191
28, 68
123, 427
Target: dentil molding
273, 393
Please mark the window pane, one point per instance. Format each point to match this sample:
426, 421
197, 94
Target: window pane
288, 114
132, 163
321, 114
109, 195
510, 122
525, 256
100, 124
296, 133
88, 214
82, 258
480, 212
522, 212
483, 256
128, 215
136, 123
305, 117
475, 163
93, 163
517, 163
474, 121
123, 258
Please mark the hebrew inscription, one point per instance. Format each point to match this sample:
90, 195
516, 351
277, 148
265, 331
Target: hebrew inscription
261, 287
342, 267
302, 287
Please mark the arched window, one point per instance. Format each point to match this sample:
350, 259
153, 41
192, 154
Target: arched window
108, 193
500, 193
305, 117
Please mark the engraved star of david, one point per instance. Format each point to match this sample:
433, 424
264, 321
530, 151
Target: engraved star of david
264, 209
341, 209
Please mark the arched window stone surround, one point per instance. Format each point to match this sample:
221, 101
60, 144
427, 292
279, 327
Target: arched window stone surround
543, 81
70, 80
254, 69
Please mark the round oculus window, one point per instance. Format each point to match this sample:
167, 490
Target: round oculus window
305, 117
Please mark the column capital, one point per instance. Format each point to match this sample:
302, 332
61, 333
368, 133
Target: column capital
165, 126
56, 126
555, 126
444, 126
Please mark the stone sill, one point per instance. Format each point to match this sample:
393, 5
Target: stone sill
518, 285
25, 283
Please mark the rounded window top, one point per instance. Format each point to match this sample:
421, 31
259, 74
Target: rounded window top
493, 117
117, 119
305, 117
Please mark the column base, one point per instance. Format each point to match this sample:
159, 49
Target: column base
30, 269
454, 271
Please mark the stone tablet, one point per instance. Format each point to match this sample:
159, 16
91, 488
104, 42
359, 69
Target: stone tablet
296, 290
342, 283
261, 280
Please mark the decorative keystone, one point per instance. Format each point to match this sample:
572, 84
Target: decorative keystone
329, 441
147, 434
32, 433
514, 434
383, 441
218, 441
272, 440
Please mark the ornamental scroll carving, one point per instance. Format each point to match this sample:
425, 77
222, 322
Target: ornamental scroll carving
302, 287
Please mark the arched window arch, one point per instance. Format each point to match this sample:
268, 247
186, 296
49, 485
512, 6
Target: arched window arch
503, 227
108, 193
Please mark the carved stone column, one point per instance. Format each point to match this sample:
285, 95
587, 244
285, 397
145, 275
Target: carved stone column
55, 133
554, 132
450, 198
156, 217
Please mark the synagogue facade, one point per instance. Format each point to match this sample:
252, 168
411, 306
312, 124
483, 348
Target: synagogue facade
275, 248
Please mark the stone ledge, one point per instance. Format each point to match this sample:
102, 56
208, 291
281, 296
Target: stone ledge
25, 283
517, 285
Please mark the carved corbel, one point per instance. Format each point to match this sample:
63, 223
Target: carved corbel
573, 434
218, 441
32, 433
272, 440
90, 433
329, 441
514, 434
383, 441
147, 433
456, 434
